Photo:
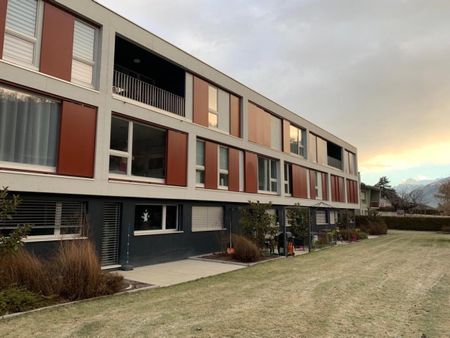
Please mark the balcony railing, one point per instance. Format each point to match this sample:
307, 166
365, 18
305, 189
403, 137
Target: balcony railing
135, 89
334, 162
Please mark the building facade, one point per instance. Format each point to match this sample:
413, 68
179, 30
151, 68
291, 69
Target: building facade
106, 126
370, 199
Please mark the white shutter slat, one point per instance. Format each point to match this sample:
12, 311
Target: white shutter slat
21, 16
84, 39
81, 72
17, 49
207, 218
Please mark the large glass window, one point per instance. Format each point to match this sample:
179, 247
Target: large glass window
297, 140
213, 119
288, 179
22, 30
351, 162
137, 149
267, 174
223, 167
29, 128
83, 62
156, 217
200, 163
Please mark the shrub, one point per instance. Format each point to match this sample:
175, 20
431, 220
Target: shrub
446, 229
17, 299
245, 250
416, 223
348, 234
362, 235
257, 224
25, 270
78, 272
373, 225
298, 218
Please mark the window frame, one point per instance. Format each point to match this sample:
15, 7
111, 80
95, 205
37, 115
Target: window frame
163, 229
300, 140
36, 40
268, 179
93, 63
221, 171
212, 111
129, 155
288, 179
199, 167
318, 185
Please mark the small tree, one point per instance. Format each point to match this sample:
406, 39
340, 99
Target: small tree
10, 241
298, 218
257, 223
444, 196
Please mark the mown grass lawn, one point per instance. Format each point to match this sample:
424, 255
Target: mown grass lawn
397, 285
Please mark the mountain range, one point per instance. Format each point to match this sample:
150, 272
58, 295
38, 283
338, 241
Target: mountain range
429, 189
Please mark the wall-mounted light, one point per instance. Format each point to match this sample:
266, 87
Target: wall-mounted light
137, 61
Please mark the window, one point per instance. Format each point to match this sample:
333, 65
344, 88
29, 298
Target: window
200, 163
22, 32
207, 218
321, 217
287, 179
223, 167
297, 141
213, 119
156, 217
29, 128
48, 218
318, 186
351, 164
137, 150
267, 174
83, 59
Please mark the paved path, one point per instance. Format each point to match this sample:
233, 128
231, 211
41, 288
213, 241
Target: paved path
171, 273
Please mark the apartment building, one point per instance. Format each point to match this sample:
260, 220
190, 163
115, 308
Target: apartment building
106, 126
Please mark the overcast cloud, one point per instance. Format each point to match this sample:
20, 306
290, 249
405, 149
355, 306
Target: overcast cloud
375, 73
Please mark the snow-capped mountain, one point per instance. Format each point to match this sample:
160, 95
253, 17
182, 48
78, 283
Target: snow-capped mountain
429, 189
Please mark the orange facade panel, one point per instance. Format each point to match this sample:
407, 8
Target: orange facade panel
324, 186
233, 169
352, 191
77, 140
200, 105
3, 6
177, 146
259, 125
211, 165
251, 178
299, 182
235, 116
57, 42
337, 189
312, 185
286, 136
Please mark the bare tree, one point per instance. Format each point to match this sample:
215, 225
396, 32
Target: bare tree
444, 196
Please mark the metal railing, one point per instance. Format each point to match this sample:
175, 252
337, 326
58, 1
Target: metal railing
135, 89
334, 162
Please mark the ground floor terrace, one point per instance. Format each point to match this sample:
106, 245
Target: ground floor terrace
137, 232
396, 285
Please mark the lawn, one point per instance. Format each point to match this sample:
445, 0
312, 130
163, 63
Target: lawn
396, 285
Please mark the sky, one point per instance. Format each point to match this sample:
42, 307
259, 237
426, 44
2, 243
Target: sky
374, 73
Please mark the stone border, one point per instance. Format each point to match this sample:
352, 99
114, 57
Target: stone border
200, 258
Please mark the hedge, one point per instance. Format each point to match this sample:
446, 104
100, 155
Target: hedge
416, 223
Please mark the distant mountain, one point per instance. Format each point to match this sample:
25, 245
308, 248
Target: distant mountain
429, 189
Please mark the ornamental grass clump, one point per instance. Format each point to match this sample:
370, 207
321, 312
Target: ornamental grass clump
245, 250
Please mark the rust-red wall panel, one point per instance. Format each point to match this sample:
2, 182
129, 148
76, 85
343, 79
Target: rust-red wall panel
57, 42
252, 122
176, 158
3, 6
324, 187
251, 178
200, 113
233, 169
341, 189
267, 127
211, 164
286, 136
312, 185
235, 116
299, 182
77, 140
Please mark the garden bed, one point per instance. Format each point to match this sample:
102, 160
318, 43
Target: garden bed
226, 258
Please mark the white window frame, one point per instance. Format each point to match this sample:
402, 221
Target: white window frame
287, 179
268, 183
212, 111
36, 40
129, 156
222, 171
301, 148
198, 167
92, 63
318, 186
163, 221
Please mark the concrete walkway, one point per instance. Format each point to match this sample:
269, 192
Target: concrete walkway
171, 273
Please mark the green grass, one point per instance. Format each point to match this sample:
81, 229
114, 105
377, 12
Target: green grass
395, 285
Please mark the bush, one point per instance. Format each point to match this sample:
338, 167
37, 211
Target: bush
416, 223
446, 229
348, 234
362, 235
372, 225
25, 270
19, 299
245, 250
257, 223
78, 272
